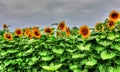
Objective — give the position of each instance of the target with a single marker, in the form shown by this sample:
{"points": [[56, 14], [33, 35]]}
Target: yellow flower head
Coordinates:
{"points": [[114, 15], [111, 25], [8, 36], [36, 33], [84, 31], [27, 31], [62, 26], [67, 31], [48, 30], [18, 32]]}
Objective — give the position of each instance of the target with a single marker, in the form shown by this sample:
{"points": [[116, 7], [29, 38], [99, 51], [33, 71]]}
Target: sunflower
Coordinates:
{"points": [[8, 36], [18, 32], [36, 33], [99, 27], [111, 25], [114, 15], [47, 30], [30, 35], [67, 31], [62, 26], [35, 28], [85, 31], [27, 31], [5, 26]]}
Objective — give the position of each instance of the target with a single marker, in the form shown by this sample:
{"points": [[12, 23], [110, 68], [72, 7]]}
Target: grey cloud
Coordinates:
{"points": [[22, 13]]}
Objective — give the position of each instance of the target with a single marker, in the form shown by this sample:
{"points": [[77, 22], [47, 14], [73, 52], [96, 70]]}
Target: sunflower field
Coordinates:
{"points": [[62, 49]]}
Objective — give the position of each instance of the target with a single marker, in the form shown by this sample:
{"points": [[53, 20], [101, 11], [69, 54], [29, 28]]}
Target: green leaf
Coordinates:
{"points": [[116, 46], [20, 54], [57, 66], [91, 62], [63, 58], [102, 68], [58, 50], [3, 53], [46, 67], [47, 58], [92, 37], [19, 60], [78, 55], [52, 67], [117, 61], [29, 50], [34, 59], [31, 41], [78, 70], [112, 36], [72, 67], [105, 43], [44, 53], [105, 55], [99, 48], [71, 50], [7, 62], [31, 63], [11, 50], [82, 47]]}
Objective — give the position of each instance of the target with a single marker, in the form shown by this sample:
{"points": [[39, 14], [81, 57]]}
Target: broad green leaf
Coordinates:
{"points": [[112, 36], [72, 67], [117, 61], [52, 67], [47, 58], [2, 66], [31, 41], [78, 55], [3, 53], [29, 50], [46, 67], [84, 47], [57, 66], [111, 69], [35, 59], [92, 37], [99, 48], [71, 50], [19, 60], [78, 70], [31, 63], [91, 62], [102, 68], [11, 50], [58, 50], [62, 58], [116, 46], [20, 54], [105, 42], [105, 55], [9, 46], [7, 62], [44, 53]]}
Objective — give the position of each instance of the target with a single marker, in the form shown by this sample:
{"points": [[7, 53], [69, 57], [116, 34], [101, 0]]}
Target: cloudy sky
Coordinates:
{"points": [[42, 13]]}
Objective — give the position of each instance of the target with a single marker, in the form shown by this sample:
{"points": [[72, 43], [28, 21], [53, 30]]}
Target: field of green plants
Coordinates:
{"points": [[62, 49]]}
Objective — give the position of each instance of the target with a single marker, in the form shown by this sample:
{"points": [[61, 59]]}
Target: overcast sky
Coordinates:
{"points": [[42, 13]]}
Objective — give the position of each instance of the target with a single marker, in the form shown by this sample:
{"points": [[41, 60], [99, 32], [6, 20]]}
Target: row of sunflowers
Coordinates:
{"points": [[83, 30], [62, 49]]}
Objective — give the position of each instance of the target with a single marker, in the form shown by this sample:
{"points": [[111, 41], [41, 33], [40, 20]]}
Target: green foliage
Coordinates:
{"points": [[98, 53]]}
